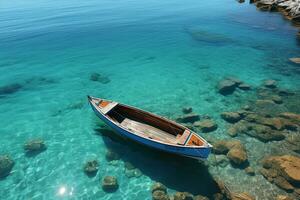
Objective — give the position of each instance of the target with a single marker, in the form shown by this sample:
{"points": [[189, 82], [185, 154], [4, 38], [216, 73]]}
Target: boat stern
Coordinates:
{"points": [[201, 153], [208, 149]]}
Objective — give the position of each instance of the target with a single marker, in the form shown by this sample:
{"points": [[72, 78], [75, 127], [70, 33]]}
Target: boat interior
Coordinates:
{"points": [[150, 126]]}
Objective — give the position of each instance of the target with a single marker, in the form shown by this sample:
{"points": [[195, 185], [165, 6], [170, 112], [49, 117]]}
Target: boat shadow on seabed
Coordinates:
{"points": [[178, 173]]}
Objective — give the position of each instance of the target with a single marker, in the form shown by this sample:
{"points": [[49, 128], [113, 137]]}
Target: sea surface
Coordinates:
{"points": [[157, 55]]}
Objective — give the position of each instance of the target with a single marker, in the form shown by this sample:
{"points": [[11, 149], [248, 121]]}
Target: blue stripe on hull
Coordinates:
{"points": [[197, 153]]}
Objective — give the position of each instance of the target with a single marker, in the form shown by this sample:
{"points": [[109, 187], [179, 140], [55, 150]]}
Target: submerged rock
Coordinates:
{"points": [[272, 122], [188, 118], [91, 167], [129, 166], [226, 86], [111, 155], [266, 5], [137, 173], [293, 143], [233, 131], [6, 165], [264, 103], [237, 128], [223, 146], [234, 149], [263, 133], [183, 196], [295, 118], [220, 147], [187, 110], [284, 92], [35, 146], [250, 171], [292, 102], [284, 171], [276, 123], [131, 170], [158, 186], [133, 173], [268, 107], [110, 184], [242, 196], [200, 197], [159, 191], [237, 156], [246, 107], [264, 93], [277, 99], [99, 78], [218, 196], [160, 195], [244, 86], [283, 197], [224, 192], [270, 83], [206, 125], [231, 117]]}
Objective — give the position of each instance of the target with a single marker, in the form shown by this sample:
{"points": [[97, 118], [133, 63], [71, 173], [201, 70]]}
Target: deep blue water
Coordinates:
{"points": [[159, 56]]}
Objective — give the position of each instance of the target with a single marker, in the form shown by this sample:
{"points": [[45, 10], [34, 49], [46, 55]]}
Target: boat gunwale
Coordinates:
{"points": [[208, 145]]}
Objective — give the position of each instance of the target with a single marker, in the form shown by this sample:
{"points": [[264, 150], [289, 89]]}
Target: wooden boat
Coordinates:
{"points": [[149, 129]]}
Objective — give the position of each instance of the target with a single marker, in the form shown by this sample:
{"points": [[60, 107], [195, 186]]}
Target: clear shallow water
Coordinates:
{"points": [[147, 50]]}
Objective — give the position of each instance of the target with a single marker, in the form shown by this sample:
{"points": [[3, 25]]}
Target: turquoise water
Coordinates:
{"points": [[154, 60]]}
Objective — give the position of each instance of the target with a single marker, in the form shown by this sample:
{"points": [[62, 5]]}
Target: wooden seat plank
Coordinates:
{"points": [[108, 107], [148, 131], [184, 137]]}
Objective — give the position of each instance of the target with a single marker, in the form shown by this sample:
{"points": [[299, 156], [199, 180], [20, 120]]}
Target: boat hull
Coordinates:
{"points": [[192, 152]]}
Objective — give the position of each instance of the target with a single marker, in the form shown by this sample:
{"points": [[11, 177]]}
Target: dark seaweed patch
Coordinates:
{"points": [[9, 63], [150, 58], [10, 89], [22, 85], [74, 106], [209, 37], [99, 78], [39, 81]]}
